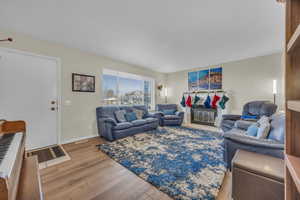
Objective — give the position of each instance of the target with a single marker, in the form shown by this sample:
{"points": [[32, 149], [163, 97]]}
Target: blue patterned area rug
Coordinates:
{"points": [[183, 162]]}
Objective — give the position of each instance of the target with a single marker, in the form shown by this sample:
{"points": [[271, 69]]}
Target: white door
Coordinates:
{"points": [[28, 91]]}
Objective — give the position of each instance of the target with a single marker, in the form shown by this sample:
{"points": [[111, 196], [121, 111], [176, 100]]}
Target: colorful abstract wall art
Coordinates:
{"points": [[203, 80], [215, 78], [193, 78], [209, 79]]}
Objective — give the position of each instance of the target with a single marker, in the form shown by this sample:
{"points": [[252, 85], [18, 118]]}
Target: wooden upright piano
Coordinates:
{"points": [[19, 176]]}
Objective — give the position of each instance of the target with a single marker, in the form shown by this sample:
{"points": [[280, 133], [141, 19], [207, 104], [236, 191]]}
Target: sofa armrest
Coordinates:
{"points": [[179, 113], [105, 126], [234, 141], [242, 124], [109, 120], [252, 141], [156, 114], [231, 117]]}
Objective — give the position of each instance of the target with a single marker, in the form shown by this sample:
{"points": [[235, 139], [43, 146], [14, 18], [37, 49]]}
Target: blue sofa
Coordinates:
{"points": [[110, 129], [253, 108], [175, 119], [273, 145]]}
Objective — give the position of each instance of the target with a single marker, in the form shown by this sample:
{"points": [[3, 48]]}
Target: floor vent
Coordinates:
{"points": [[50, 156]]}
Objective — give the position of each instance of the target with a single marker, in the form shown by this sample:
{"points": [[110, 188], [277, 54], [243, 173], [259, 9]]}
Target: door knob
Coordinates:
{"points": [[52, 102], [52, 108]]}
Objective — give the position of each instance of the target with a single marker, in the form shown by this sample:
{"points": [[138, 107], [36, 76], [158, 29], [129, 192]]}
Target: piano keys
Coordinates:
{"points": [[5, 141], [18, 181], [12, 148]]}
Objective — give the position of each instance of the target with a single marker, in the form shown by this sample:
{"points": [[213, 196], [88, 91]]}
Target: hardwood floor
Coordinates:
{"points": [[92, 175]]}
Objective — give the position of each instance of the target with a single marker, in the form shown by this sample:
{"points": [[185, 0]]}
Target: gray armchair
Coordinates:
{"points": [[175, 119], [273, 145], [254, 108]]}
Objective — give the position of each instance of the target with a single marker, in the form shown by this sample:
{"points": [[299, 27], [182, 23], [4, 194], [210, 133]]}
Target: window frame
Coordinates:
{"points": [[130, 76]]}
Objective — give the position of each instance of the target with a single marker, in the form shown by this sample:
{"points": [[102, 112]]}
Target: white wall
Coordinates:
{"points": [[78, 118], [244, 80]]}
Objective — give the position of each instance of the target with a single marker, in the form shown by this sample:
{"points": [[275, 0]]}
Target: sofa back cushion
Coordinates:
{"points": [[277, 131], [161, 107], [169, 112], [143, 108], [259, 108], [132, 108], [107, 111]]}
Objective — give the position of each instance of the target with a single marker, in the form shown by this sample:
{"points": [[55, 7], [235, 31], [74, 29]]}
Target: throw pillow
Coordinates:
{"points": [[264, 119], [252, 130], [277, 134], [139, 113], [263, 130], [249, 117], [120, 116], [169, 112], [130, 116]]}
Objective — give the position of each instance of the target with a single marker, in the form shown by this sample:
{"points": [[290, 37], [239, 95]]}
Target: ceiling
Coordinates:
{"points": [[163, 35]]}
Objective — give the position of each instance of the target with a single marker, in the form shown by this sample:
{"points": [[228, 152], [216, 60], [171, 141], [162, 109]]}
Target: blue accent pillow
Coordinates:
{"points": [[249, 117], [277, 128], [130, 116], [169, 112], [252, 130], [277, 134]]}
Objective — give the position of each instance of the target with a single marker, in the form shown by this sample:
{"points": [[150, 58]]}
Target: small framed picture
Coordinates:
{"points": [[83, 83]]}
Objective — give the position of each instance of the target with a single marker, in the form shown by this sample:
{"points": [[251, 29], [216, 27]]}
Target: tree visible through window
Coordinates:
{"points": [[127, 89]]}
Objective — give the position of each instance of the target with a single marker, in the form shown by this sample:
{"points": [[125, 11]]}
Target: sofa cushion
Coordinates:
{"points": [[263, 130], [142, 107], [242, 124], [123, 125], [151, 119], [171, 117], [161, 107], [107, 112], [236, 131], [277, 128], [126, 108], [259, 108], [139, 113], [139, 122], [131, 108], [169, 111], [252, 130], [120, 116], [130, 116], [228, 123]]}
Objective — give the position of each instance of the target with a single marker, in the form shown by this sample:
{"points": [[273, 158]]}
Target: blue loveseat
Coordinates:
{"points": [[110, 129]]}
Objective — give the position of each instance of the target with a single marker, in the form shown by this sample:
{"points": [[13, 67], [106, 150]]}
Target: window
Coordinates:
{"points": [[127, 89]]}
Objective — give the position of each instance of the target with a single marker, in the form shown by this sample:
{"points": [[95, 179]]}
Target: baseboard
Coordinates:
{"points": [[78, 139]]}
